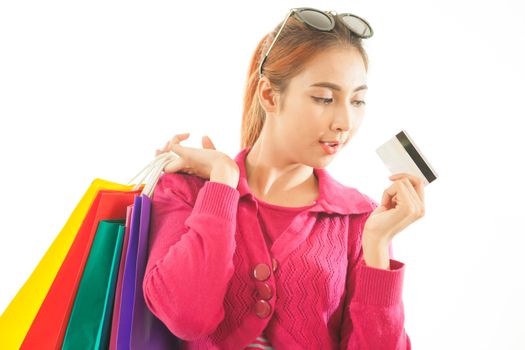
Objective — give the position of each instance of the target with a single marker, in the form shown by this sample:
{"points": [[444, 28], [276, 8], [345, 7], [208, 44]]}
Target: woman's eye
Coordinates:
{"points": [[359, 103], [323, 100]]}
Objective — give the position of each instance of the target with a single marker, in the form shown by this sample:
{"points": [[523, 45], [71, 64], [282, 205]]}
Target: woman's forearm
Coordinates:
{"points": [[375, 253]]}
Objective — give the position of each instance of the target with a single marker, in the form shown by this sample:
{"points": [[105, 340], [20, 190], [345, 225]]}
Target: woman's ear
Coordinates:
{"points": [[267, 96]]}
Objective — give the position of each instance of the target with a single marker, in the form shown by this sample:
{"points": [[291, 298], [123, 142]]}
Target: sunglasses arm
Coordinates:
{"points": [[273, 42]]}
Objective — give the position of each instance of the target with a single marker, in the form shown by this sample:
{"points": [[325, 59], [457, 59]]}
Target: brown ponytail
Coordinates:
{"points": [[296, 45]]}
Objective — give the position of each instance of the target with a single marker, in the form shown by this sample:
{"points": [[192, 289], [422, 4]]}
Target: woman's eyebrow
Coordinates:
{"points": [[337, 87]]}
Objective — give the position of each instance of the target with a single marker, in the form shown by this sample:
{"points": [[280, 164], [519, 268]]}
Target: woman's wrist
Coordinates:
{"points": [[226, 172], [375, 252]]}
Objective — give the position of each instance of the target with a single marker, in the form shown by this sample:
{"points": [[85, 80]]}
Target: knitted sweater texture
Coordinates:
{"points": [[209, 255]]}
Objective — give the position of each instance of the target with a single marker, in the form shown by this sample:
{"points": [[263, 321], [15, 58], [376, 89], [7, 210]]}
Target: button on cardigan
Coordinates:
{"points": [[206, 241]]}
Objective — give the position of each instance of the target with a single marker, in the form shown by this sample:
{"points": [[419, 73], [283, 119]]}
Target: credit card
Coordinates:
{"points": [[401, 155]]}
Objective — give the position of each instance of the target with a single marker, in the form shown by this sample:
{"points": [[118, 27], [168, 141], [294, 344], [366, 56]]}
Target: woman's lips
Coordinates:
{"points": [[329, 149]]}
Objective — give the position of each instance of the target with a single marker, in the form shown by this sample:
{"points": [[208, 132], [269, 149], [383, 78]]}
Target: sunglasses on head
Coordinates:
{"points": [[323, 21]]}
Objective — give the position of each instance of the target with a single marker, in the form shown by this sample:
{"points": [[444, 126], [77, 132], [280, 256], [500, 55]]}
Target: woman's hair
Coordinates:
{"points": [[296, 45]]}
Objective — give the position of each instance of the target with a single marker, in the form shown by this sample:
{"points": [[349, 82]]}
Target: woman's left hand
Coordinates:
{"points": [[401, 205]]}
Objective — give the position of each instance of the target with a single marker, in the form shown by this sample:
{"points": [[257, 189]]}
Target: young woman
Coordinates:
{"points": [[267, 250]]}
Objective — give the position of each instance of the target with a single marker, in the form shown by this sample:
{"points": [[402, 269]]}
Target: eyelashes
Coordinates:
{"points": [[322, 99], [326, 101]]}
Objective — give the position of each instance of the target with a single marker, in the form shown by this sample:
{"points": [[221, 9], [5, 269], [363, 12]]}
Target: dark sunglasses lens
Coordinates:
{"points": [[317, 19], [357, 26]]}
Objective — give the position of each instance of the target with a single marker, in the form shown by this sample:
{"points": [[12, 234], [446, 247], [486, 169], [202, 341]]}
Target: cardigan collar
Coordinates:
{"points": [[334, 197]]}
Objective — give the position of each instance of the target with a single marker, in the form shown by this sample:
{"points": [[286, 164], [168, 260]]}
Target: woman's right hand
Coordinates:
{"points": [[194, 161]]}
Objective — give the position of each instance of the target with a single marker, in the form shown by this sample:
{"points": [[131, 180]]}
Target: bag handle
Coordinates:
{"points": [[152, 172]]}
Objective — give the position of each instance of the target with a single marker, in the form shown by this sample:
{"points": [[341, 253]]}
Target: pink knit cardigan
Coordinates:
{"points": [[205, 242]]}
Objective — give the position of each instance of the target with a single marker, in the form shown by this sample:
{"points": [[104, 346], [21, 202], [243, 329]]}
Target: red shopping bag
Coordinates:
{"points": [[118, 291], [49, 326]]}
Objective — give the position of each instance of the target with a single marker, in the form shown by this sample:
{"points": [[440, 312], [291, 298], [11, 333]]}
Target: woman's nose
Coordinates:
{"points": [[344, 119]]}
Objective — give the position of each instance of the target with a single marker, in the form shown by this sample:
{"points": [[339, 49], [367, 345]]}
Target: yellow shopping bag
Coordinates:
{"points": [[19, 314]]}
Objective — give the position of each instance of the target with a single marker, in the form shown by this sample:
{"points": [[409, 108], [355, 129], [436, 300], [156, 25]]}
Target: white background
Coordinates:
{"points": [[91, 89]]}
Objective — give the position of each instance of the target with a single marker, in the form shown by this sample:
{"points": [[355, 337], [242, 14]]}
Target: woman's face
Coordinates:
{"points": [[325, 102]]}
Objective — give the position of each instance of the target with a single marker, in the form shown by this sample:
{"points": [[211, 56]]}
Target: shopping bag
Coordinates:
{"points": [[138, 328], [88, 326], [118, 290], [49, 326], [40, 320], [128, 281], [21, 311], [148, 332]]}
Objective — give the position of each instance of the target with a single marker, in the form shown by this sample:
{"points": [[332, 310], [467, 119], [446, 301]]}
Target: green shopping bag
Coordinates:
{"points": [[90, 320], [17, 319]]}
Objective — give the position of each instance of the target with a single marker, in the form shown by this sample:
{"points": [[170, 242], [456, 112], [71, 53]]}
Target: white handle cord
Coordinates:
{"points": [[152, 171]]}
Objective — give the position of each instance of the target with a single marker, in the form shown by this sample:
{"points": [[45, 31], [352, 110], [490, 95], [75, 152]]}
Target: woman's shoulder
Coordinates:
{"points": [[184, 186], [349, 199]]}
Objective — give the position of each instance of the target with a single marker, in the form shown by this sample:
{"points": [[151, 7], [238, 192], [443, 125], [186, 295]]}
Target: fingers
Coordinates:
{"points": [[388, 196], [164, 149], [411, 190], [174, 143], [417, 183], [179, 137], [396, 195], [206, 142]]}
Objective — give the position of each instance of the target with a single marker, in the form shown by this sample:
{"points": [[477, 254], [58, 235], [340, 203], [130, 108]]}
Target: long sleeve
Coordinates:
{"points": [[373, 316], [190, 254]]}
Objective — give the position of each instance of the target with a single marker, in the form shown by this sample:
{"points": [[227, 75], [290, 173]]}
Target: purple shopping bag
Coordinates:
{"points": [[138, 328], [128, 281]]}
